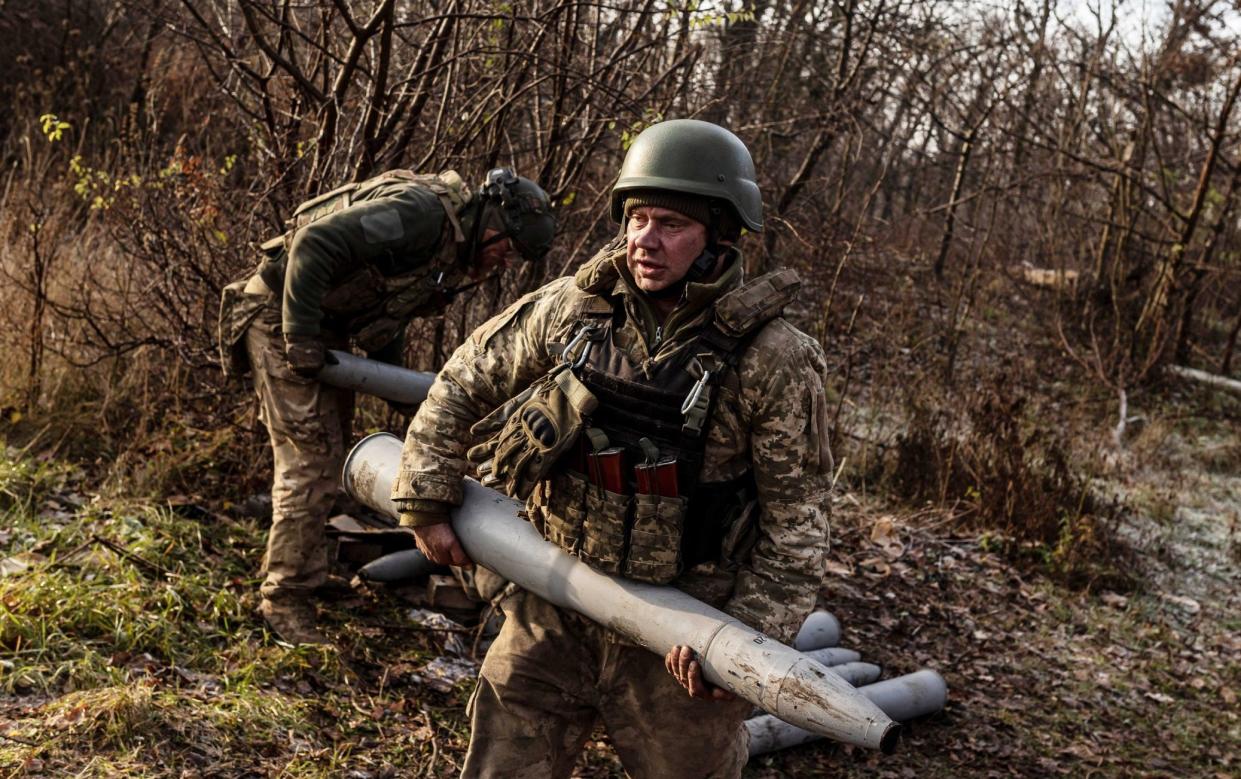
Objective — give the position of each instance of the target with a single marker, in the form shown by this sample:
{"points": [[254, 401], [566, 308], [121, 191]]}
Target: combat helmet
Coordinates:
{"points": [[692, 157], [523, 211]]}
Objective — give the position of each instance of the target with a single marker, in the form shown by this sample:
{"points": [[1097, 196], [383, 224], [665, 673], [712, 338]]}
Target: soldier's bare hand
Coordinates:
{"points": [[682, 663], [441, 545]]}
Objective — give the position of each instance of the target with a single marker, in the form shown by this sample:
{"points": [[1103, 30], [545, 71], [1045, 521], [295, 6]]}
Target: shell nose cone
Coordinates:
{"points": [[815, 698]]}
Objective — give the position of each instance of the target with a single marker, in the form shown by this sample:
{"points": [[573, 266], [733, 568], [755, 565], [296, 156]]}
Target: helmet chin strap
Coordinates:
{"points": [[474, 216], [703, 266], [475, 243], [708, 261]]}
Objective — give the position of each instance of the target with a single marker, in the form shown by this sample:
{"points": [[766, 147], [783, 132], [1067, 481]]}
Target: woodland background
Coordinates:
{"points": [[1010, 219]]}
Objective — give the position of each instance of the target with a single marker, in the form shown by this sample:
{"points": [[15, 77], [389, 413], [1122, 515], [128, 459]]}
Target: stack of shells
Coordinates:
{"points": [[902, 698]]}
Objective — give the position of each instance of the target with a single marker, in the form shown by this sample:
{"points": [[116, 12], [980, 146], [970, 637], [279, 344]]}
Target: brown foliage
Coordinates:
{"points": [[893, 138], [1006, 468]]}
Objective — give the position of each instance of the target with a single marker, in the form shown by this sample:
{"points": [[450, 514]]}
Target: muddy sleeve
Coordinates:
{"points": [[793, 471]]}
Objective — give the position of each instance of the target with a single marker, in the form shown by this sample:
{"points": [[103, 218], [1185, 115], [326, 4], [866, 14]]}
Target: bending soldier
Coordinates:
{"points": [[663, 423], [357, 264]]}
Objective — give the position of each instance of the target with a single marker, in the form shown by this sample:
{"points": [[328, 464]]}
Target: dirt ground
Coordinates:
{"points": [[130, 646], [1046, 680]]}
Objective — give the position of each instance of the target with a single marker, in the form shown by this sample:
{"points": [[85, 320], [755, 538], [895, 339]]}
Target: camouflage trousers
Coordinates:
{"points": [[551, 675], [309, 424]]}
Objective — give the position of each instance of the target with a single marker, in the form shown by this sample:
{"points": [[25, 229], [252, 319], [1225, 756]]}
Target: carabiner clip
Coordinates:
{"points": [[695, 392], [584, 334]]}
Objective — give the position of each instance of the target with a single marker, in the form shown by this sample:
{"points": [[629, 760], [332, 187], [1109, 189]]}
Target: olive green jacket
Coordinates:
{"points": [[359, 261]]}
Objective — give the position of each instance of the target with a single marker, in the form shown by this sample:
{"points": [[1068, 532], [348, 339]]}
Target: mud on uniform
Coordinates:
{"points": [[357, 264], [550, 674]]}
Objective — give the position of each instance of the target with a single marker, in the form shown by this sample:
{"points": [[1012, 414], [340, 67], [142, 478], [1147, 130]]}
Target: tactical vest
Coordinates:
{"points": [[650, 535], [447, 186], [369, 305]]}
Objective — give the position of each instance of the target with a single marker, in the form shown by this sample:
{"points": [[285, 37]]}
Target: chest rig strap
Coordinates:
{"points": [[673, 408], [659, 421], [740, 314], [723, 353]]}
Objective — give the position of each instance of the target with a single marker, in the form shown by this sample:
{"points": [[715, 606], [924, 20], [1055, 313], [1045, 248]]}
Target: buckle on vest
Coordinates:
{"points": [[696, 405]]}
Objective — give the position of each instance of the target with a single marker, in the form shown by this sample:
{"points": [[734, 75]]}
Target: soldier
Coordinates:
{"points": [[355, 266], [664, 423]]}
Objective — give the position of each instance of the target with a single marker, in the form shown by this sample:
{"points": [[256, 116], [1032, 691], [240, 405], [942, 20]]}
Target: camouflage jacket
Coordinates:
{"points": [[774, 423]]}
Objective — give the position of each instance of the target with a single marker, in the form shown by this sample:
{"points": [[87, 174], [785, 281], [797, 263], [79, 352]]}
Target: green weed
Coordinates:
{"points": [[26, 482], [125, 727], [115, 587]]}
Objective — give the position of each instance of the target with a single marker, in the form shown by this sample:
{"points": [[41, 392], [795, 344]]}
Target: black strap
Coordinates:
{"points": [[662, 409]]}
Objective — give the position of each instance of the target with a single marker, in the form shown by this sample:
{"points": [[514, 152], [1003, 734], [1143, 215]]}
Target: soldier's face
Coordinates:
{"points": [[493, 255], [661, 245]]}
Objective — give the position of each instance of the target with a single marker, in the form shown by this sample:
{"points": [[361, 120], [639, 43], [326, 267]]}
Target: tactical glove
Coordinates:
{"points": [[537, 427], [304, 353]]}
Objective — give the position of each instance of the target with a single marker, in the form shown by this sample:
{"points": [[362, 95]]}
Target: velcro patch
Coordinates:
{"points": [[382, 226]]}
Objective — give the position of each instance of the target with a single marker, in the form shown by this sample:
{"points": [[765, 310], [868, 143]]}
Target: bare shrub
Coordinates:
{"points": [[1008, 473], [921, 161]]}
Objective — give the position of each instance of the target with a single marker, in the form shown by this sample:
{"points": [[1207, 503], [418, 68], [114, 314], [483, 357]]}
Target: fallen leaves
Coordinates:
{"points": [[444, 673], [1114, 600], [876, 565], [885, 535], [1187, 605], [838, 569], [1031, 664], [20, 563]]}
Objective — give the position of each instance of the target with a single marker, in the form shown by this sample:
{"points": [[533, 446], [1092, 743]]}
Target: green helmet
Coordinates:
{"points": [[694, 157], [523, 209]]}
